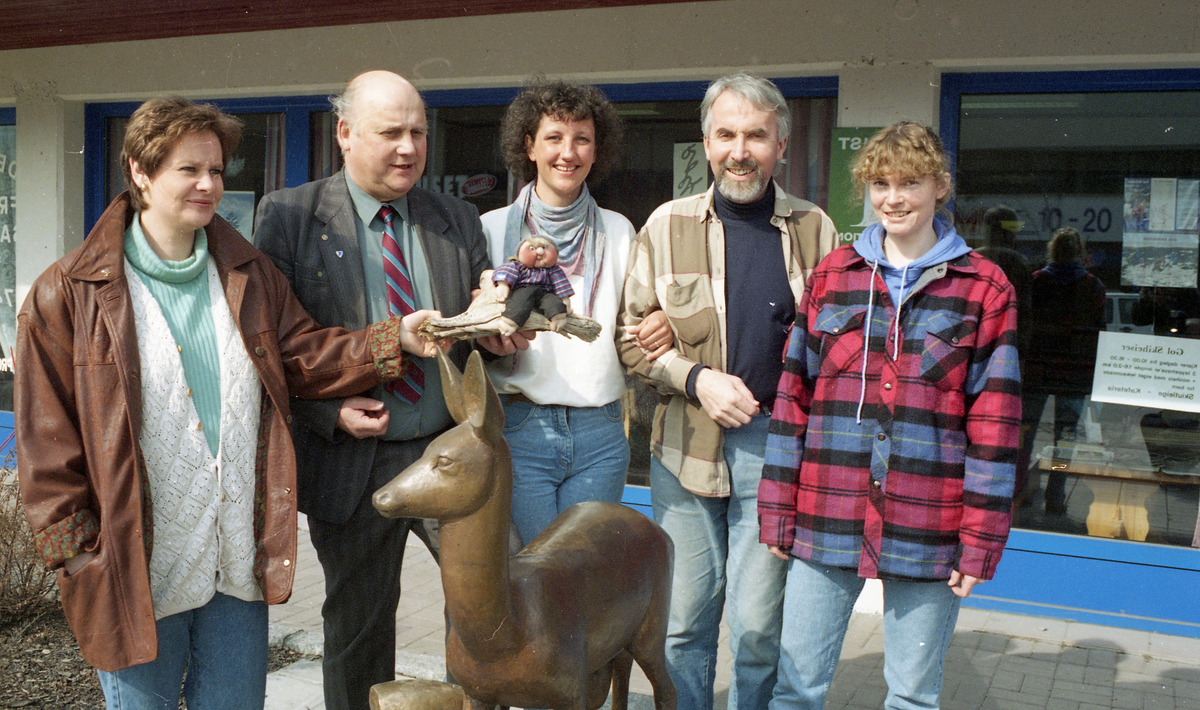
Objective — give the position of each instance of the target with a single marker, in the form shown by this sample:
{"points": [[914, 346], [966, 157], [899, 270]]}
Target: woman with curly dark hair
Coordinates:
{"points": [[562, 396]]}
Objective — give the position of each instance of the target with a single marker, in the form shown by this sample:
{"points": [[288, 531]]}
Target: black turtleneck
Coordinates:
{"points": [[759, 304]]}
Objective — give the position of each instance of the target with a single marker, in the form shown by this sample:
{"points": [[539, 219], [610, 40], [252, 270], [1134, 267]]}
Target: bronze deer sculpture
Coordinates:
{"points": [[554, 625]]}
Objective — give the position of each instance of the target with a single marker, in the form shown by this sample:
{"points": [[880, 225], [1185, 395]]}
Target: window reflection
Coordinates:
{"points": [[1084, 162]]}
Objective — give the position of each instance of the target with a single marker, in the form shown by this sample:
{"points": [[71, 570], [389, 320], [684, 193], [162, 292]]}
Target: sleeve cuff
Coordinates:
{"points": [[978, 562], [690, 387], [67, 538], [777, 530], [384, 340]]}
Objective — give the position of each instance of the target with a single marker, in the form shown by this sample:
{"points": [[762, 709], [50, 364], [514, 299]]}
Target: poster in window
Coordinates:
{"points": [[237, 207], [1161, 246], [690, 173]]}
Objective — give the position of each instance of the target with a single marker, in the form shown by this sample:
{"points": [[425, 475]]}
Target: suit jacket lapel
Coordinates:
{"points": [[440, 251], [340, 251]]}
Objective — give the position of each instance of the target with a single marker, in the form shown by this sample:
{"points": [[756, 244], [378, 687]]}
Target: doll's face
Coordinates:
{"points": [[539, 256]]}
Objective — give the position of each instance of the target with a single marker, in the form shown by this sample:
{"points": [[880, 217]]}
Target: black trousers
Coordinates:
{"points": [[529, 298], [362, 560]]}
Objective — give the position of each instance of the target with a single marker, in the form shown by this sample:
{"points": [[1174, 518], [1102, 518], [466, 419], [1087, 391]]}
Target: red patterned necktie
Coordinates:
{"points": [[400, 302]]}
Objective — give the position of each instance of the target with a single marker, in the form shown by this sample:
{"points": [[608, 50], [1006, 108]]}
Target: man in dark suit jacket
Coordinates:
{"points": [[325, 237]]}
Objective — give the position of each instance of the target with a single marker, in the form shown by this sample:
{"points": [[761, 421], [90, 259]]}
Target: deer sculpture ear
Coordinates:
{"points": [[451, 387], [480, 401]]}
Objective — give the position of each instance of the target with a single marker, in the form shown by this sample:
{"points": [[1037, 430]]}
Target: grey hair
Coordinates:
{"points": [[343, 103], [759, 92]]}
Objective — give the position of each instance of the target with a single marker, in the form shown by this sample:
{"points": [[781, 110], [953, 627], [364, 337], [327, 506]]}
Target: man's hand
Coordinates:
{"points": [[363, 417], [410, 340], [778, 552], [961, 584], [653, 335], [507, 344], [725, 398]]}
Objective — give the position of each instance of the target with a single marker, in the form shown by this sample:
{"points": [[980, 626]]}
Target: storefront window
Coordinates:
{"points": [[8, 272], [1110, 356], [254, 170]]}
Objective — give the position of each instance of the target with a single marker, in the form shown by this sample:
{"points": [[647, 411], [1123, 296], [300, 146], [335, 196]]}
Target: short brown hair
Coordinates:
{"points": [[562, 101], [157, 126], [905, 149]]}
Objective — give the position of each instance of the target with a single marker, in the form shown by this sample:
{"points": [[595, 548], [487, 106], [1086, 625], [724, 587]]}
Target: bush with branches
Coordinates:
{"points": [[24, 579]]}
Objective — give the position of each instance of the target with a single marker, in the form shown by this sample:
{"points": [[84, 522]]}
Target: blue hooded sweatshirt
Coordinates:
{"points": [[948, 246]]}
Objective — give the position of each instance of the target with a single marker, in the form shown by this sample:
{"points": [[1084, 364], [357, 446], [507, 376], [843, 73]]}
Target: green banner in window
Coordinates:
{"points": [[850, 213]]}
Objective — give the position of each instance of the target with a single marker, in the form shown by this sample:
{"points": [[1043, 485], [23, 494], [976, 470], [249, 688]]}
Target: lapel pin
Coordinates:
{"points": [[339, 252]]}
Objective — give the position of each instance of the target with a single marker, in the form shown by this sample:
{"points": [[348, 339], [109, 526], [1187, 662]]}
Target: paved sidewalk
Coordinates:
{"points": [[997, 661]]}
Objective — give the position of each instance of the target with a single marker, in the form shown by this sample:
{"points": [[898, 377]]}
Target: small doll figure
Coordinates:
{"points": [[533, 280]]}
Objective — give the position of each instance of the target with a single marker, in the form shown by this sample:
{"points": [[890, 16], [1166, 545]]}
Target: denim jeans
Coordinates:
{"points": [[562, 456], [719, 563], [918, 624], [222, 647]]}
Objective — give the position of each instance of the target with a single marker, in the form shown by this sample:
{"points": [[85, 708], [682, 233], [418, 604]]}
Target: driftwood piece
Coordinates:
{"points": [[483, 316], [417, 695], [557, 624]]}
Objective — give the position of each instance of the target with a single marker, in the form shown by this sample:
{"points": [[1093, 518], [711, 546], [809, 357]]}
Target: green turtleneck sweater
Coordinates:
{"points": [[181, 290]]}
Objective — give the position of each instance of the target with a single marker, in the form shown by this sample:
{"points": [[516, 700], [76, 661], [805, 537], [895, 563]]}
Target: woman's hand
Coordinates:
{"points": [[961, 584], [74, 564], [653, 335]]}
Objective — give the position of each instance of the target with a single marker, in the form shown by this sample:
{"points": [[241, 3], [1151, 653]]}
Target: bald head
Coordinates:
{"points": [[375, 84], [382, 133]]}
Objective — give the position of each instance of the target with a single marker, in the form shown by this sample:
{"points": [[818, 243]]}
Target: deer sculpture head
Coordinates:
{"points": [[459, 471]]}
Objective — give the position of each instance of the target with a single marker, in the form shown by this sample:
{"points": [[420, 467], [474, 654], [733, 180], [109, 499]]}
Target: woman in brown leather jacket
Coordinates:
{"points": [[154, 450]]}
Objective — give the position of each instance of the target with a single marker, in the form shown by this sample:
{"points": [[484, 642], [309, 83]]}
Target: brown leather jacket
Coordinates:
{"points": [[78, 414]]}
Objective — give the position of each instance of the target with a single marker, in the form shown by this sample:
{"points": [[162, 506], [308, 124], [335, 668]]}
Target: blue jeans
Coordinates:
{"points": [[720, 564], [562, 456], [222, 646], [918, 624]]}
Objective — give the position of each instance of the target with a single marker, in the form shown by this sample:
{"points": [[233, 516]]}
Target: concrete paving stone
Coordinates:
{"points": [[1163, 702], [1174, 646], [1073, 655], [1062, 704], [1073, 674], [1158, 687], [974, 692], [1126, 699], [1007, 680], [1189, 689], [1185, 673], [869, 696], [1072, 690], [1028, 666], [1092, 636], [1099, 676], [1103, 658], [1037, 685], [1012, 704], [1017, 696], [296, 687], [1093, 706]]}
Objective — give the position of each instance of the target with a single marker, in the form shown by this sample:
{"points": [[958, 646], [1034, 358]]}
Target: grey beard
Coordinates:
{"points": [[742, 192]]}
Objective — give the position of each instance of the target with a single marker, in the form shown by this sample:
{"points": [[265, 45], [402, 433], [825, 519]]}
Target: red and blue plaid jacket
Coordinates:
{"points": [[897, 463]]}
